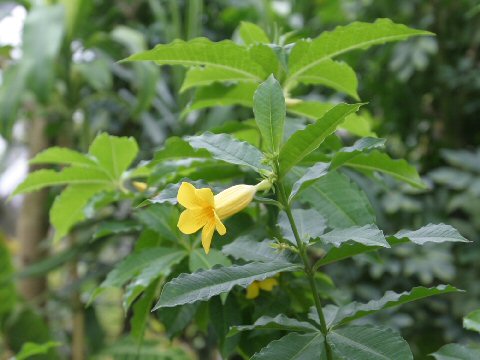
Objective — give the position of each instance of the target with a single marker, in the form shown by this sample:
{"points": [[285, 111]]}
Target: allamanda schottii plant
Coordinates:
{"points": [[285, 206]]}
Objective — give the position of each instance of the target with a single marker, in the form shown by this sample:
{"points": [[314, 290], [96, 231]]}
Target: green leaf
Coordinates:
{"points": [[68, 208], [308, 54], [109, 228], [279, 322], [226, 148], [30, 349], [74, 175], [313, 173], [252, 34], [162, 219], [381, 162], [451, 177], [361, 145], [312, 110], [472, 321], [203, 52], [303, 142], [456, 352], [339, 201], [310, 225], [320, 169], [269, 110], [202, 285], [369, 235], [148, 263], [368, 343], [248, 248], [59, 155], [430, 233], [359, 125], [354, 310], [436, 233], [294, 346], [267, 57], [114, 154], [204, 76], [199, 260], [141, 311], [222, 95], [333, 74]]}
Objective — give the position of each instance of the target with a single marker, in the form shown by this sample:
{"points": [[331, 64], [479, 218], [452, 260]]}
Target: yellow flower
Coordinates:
{"points": [[253, 290], [203, 210], [140, 186]]}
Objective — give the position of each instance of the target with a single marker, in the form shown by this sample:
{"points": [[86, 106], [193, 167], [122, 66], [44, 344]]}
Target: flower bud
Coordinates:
{"points": [[140, 186], [233, 200]]}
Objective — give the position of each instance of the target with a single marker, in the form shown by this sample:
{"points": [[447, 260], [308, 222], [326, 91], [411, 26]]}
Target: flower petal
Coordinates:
{"points": [[186, 196], [191, 220], [207, 234], [205, 197], [253, 290], [268, 284], [221, 229]]}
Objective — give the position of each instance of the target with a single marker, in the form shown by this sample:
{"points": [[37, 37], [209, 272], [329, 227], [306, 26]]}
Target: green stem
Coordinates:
{"points": [[308, 269]]}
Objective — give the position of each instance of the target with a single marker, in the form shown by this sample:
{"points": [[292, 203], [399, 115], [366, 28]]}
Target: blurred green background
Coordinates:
{"points": [[61, 83]]}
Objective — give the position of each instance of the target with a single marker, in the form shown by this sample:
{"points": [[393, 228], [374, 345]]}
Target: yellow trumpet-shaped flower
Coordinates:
{"points": [[253, 290], [203, 210]]}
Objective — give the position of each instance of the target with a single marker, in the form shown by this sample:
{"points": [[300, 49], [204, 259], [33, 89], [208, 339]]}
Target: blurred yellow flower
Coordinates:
{"points": [[253, 290], [203, 210]]}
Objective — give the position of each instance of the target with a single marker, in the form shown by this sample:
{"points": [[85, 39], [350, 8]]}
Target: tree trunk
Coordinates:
{"points": [[32, 225]]}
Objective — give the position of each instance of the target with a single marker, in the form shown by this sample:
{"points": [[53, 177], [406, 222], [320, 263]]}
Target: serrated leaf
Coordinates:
{"points": [[248, 248], [74, 175], [456, 352], [114, 154], [436, 233], [294, 346], [381, 162], [199, 260], [361, 145], [226, 148], [279, 322], [252, 34], [310, 225], [222, 95], [333, 74], [303, 142], [203, 52], [313, 173], [59, 155], [269, 110], [368, 343], [430, 233], [472, 321], [161, 219], [354, 310], [369, 235], [339, 201], [202, 285], [358, 35], [148, 263], [68, 208]]}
